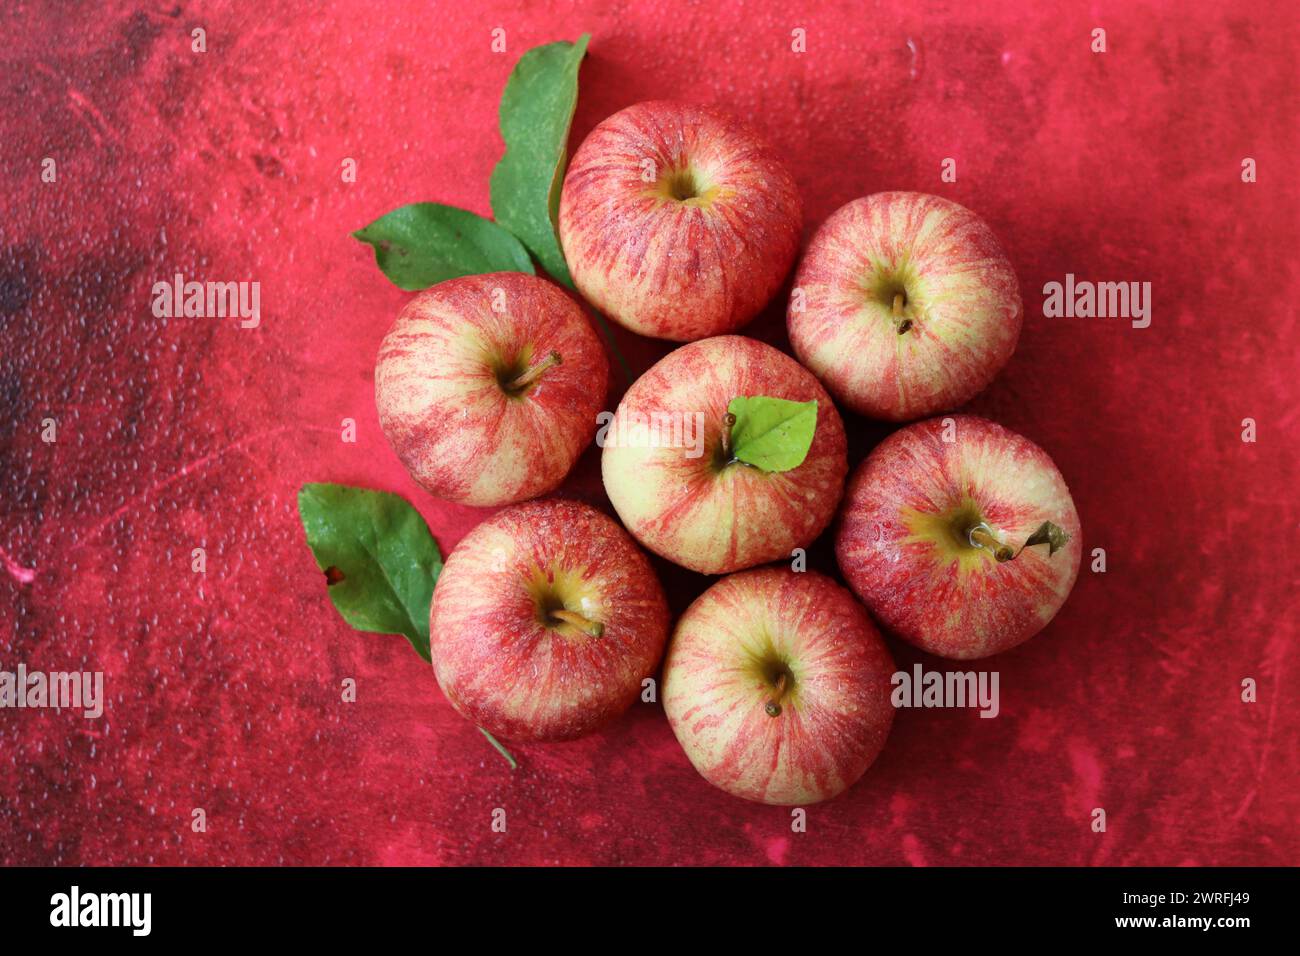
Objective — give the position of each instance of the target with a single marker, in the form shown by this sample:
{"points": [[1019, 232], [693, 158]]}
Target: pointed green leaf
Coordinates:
{"points": [[536, 113], [773, 434], [379, 559], [425, 243]]}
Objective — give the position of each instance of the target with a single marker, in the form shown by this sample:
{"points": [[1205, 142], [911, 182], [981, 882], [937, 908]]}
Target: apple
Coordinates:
{"points": [[488, 387], [677, 221], [778, 686], [690, 501], [961, 538], [904, 305], [545, 621]]}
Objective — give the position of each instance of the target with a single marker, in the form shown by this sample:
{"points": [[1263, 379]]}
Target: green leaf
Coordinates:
{"points": [[1050, 535], [425, 243], [773, 434], [536, 113], [379, 559]]}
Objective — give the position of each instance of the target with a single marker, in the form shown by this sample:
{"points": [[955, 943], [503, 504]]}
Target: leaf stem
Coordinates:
{"points": [[612, 345], [514, 765]]}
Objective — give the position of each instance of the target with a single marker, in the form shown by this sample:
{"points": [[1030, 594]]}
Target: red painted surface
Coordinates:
{"points": [[224, 688]]}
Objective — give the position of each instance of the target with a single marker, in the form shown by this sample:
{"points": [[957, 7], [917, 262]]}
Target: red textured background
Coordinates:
{"points": [[224, 688]]}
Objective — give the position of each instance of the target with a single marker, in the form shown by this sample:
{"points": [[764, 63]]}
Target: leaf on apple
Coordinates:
{"points": [[379, 559], [1049, 534], [773, 434], [425, 243], [536, 113]]}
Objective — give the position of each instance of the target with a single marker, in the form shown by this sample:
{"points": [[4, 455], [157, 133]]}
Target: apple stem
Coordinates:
{"points": [[900, 323], [981, 536], [773, 706], [524, 379], [728, 422], [586, 625]]}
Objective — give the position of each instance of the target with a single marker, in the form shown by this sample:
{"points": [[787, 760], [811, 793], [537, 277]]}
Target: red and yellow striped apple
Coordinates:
{"points": [[904, 305], [778, 686], [945, 540], [677, 221], [488, 387], [698, 506], [545, 621]]}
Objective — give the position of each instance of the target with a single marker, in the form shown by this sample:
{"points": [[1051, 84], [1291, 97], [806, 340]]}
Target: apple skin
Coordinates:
{"points": [[902, 547], [442, 405], [721, 672], [714, 520], [678, 268], [509, 667], [961, 297]]}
